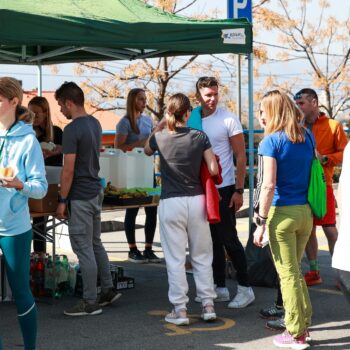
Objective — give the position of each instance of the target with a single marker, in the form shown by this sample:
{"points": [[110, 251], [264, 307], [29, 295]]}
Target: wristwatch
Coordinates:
{"points": [[239, 190], [62, 200], [259, 220]]}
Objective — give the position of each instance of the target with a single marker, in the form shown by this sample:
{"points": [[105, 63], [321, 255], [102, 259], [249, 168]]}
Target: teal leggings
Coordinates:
{"points": [[16, 252]]}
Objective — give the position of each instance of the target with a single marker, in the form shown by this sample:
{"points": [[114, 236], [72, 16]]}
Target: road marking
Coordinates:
{"points": [[220, 324], [327, 291]]}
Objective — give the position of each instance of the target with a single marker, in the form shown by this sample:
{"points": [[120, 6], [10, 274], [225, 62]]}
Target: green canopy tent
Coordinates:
{"points": [[62, 31], [40, 32]]}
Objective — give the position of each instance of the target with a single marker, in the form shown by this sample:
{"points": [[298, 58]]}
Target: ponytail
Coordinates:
{"points": [[178, 105], [23, 114], [171, 122]]}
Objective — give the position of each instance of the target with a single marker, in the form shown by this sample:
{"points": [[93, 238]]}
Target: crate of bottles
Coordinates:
{"points": [[51, 277]]}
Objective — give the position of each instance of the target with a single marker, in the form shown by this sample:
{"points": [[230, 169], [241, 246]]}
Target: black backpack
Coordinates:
{"points": [[260, 266]]}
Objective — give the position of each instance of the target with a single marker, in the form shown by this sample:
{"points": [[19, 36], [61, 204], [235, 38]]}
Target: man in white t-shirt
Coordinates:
{"points": [[226, 137]]}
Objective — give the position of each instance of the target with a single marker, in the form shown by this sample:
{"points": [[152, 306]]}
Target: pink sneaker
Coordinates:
{"points": [[286, 340]]}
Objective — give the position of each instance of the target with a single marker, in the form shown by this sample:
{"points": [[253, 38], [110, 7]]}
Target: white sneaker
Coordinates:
{"points": [[243, 298], [222, 294], [208, 313], [179, 318]]}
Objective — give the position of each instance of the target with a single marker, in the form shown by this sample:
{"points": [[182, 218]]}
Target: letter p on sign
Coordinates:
{"points": [[237, 6], [239, 9]]}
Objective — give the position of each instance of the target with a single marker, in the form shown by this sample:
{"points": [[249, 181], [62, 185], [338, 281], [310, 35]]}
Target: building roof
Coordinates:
{"points": [[108, 119]]}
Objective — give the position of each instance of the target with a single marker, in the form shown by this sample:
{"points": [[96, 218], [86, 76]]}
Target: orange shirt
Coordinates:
{"points": [[330, 141]]}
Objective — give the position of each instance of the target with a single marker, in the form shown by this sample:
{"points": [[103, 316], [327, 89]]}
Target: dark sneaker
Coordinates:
{"points": [[150, 256], [108, 298], [271, 313], [83, 308], [276, 325], [136, 257]]}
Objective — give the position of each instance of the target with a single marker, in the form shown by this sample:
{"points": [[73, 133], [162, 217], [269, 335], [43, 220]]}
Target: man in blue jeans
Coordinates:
{"points": [[226, 137], [82, 195]]}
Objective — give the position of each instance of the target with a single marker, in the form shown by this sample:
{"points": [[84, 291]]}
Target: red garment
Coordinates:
{"points": [[211, 193]]}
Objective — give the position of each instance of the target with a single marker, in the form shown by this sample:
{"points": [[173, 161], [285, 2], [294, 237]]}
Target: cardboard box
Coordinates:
{"points": [[119, 280], [46, 204]]}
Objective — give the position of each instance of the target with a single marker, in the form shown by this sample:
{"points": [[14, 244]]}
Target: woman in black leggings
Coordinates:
{"points": [[133, 131]]}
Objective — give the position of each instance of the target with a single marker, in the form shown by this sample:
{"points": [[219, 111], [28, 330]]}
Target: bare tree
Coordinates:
{"points": [[313, 36], [158, 76]]}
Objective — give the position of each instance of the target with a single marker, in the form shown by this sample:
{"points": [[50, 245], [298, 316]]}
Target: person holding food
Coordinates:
{"points": [[22, 178], [133, 131], [49, 135], [50, 138]]}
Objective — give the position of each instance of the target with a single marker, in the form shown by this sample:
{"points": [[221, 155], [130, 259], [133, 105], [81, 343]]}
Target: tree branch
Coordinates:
{"points": [[186, 64]]}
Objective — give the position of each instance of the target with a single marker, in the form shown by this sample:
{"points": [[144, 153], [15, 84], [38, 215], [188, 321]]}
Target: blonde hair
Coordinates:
{"points": [[131, 111], [283, 115], [11, 88], [178, 105], [44, 105]]}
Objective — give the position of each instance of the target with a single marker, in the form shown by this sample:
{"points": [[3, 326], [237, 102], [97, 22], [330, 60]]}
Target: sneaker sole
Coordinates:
{"points": [[270, 318], [155, 261], [274, 329], [292, 346], [97, 312], [232, 306], [217, 300], [209, 317], [138, 261], [116, 297], [221, 300], [178, 321]]}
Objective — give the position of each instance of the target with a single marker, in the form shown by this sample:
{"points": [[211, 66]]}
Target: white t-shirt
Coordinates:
{"points": [[219, 127], [341, 259]]}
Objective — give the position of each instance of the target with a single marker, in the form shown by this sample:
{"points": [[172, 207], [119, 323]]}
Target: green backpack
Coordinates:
{"points": [[317, 192]]}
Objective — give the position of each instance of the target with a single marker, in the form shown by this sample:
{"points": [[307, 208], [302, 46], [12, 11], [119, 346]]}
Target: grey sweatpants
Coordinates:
{"points": [[84, 226]]}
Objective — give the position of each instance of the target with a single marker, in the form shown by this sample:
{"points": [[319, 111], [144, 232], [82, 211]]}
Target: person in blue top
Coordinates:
{"points": [[133, 131], [20, 151], [286, 154]]}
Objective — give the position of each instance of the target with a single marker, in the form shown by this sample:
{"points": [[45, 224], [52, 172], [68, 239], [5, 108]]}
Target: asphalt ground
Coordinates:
{"points": [[136, 320]]}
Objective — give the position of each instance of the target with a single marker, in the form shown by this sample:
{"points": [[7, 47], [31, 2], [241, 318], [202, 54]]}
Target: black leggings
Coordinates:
{"points": [[150, 224], [39, 242], [344, 280], [224, 235]]}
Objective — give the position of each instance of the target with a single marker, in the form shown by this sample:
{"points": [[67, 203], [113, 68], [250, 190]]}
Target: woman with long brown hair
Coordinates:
{"points": [[46, 132], [132, 131], [285, 157], [50, 137]]}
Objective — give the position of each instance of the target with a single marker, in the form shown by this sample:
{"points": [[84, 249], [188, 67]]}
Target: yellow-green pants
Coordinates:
{"points": [[289, 230]]}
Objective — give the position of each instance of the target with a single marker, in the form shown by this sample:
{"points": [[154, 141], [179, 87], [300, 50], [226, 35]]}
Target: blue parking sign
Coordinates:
{"points": [[239, 9]]}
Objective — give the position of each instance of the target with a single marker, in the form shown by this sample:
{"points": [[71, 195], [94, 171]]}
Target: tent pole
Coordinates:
{"points": [[251, 137], [40, 79], [239, 91]]}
